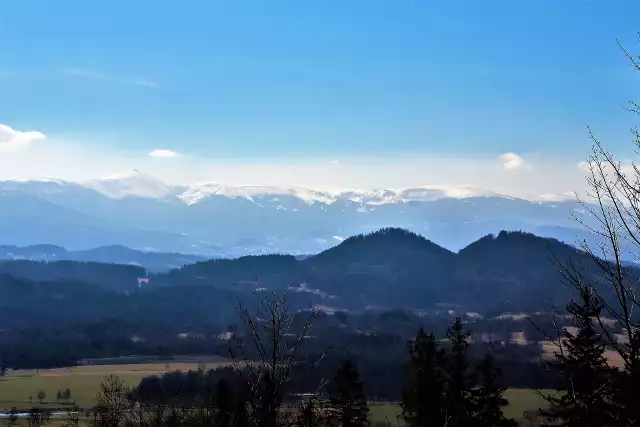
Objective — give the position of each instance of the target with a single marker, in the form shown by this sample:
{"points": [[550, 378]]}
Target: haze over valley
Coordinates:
{"points": [[138, 211]]}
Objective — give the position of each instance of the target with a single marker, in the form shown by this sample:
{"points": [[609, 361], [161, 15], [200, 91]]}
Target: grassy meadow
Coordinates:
{"points": [[21, 388], [520, 400]]}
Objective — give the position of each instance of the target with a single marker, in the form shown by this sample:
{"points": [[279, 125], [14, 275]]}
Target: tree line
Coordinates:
{"points": [[443, 386]]}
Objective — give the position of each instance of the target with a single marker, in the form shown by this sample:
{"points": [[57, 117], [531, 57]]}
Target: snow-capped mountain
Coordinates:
{"points": [[198, 192], [129, 184], [138, 210], [140, 185]]}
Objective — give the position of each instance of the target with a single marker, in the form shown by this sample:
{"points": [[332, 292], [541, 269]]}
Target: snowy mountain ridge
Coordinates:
{"points": [[136, 210], [138, 184]]}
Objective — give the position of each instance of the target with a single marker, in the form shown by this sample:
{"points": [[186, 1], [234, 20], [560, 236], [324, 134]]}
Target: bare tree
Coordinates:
{"points": [[111, 404], [265, 351], [72, 417], [611, 213], [38, 417]]}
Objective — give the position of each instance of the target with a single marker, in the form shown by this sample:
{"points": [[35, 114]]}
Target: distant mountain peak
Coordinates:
{"points": [[197, 192], [381, 245], [128, 174], [132, 183], [40, 179]]}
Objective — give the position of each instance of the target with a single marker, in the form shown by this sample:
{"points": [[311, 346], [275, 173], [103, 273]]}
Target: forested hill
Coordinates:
{"points": [[394, 268], [391, 268], [100, 309], [114, 254]]}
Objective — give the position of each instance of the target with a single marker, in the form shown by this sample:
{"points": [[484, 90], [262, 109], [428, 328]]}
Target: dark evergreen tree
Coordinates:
{"points": [[584, 400], [459, 383], [348, 404], [422, 398], [225, 404], [488, 397]]}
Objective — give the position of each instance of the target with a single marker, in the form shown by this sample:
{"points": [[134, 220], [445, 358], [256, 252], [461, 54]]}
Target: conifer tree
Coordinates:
{"points": [[585, 398], [348, 404], [422, 398], [488, 397], [225, 404], [458, 380]]}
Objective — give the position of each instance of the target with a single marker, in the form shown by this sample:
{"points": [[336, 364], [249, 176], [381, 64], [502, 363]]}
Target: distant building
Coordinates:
{"points": [[225, 336]]}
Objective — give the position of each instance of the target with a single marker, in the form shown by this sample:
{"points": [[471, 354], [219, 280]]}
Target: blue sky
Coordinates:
{"points": [[235, 86]]}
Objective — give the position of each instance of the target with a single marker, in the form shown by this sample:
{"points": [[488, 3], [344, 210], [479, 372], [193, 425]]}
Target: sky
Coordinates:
{"points": [[496, 94]]}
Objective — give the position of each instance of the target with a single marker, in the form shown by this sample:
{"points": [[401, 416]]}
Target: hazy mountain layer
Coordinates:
{"points": [[141, 212]]}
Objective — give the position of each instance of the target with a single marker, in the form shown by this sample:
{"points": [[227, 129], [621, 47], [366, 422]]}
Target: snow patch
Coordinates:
{"points": [[129, 184]]}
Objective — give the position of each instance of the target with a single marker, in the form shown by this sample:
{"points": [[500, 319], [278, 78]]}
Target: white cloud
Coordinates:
{"points": [[164, 154], [554, 197], [129, 81], [91, 159], [511, 161], [12, 140], [335, 162], [584, 165]]}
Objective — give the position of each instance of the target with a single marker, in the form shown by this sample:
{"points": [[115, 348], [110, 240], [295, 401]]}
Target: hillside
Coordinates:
{"points": [[393, 268], [114, 254], [388, 269], [395, 271]]}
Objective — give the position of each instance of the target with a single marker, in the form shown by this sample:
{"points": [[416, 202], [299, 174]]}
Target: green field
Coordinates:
{"points": [[520, 400], [83, 381]]}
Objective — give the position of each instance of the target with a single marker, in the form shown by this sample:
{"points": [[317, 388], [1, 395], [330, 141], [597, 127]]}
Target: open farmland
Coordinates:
{"points": [[20, 388], [520, 400]]}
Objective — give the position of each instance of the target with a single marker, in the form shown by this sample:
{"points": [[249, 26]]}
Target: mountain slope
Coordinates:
{"points": [[389, 269], [370, 269], [395, 268], [115, 254]]}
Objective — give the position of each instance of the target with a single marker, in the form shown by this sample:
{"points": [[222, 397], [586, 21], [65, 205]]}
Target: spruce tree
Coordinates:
{"points": [[348, 404], [488, 396], [459, 384], [224, 403], [584, 400], [422, 398]]}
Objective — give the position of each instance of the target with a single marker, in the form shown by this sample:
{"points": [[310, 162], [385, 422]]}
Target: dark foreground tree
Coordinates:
{"points": [[443, 391], [264, 353], [587, 387], [422, 399], [348, 404], [612, 216], [459, 381], [488, 398]]}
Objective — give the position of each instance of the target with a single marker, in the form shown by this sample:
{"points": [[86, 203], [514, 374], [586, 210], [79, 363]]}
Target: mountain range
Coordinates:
{"points": [[151, 261], [388, 269], [381, 287], [139, 211]]}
